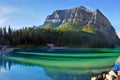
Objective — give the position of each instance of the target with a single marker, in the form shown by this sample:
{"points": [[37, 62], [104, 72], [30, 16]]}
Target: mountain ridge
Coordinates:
{"points": [[82, 19]]}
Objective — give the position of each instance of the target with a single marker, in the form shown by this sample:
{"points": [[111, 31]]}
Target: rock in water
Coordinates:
{"points": [[83, 19]]}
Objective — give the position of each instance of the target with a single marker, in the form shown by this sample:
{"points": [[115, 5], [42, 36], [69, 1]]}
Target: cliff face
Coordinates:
{"points": [[84, 17], [104, 27], [69, 15]]}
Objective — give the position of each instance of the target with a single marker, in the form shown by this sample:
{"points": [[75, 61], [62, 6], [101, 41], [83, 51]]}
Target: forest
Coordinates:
{"points": [[39, 37]]}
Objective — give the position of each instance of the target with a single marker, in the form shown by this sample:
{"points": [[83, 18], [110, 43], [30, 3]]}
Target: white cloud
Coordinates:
{"points": [[2, 21], [4, 11], [118, 34]]}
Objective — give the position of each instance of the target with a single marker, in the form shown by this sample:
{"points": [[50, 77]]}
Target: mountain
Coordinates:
{"points": [[85, 20]]}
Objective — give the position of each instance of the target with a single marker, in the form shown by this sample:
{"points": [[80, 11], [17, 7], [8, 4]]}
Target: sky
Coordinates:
{"points": [[26, 13]]}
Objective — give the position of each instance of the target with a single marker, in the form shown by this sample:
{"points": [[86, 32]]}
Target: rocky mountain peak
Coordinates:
{"points": [[69, 15], [84, 17], [82, 8]]}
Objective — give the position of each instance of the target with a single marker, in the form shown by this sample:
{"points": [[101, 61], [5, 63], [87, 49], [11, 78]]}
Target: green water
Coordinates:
{"points": [[64, 64]]}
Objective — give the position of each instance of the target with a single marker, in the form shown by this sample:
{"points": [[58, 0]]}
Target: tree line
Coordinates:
{"points": [[41, 36]]}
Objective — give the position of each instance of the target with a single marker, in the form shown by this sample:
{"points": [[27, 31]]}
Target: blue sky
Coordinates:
{"points": [[22, 13]]}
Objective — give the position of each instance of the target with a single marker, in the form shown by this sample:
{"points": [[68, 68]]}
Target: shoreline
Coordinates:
{"points": [[7, 51], [107, 72]]}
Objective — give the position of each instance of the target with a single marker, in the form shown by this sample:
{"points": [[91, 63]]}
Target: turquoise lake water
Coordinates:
{"points": [[61, 64]]}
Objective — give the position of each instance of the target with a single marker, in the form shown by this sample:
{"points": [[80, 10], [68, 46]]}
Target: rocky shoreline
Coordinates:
{"points": [[113, 74], [6, 51]]}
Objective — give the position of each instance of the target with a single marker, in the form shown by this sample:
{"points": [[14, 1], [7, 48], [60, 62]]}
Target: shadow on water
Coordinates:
{"points": [[40, 64]]}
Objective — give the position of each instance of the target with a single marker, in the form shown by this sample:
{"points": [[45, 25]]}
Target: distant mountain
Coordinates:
{"points": [[83, 19]]}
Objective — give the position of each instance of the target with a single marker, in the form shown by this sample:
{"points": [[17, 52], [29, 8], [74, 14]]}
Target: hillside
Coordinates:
{"points": [[82, 19]]}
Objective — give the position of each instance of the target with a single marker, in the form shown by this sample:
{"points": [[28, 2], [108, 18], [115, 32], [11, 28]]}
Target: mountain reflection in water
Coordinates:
{"points": [[56, 65], [10, 70], [13, 70]]}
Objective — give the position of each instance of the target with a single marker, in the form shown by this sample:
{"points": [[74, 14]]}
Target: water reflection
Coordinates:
{"points": [[56, 65], [64, 75], [10, 70], [15, 70]]}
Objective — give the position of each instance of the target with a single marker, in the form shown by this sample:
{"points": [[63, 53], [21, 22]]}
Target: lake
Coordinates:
{"points": [[58, 64]]}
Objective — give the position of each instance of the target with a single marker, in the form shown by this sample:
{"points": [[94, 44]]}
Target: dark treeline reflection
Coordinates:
{"points": [[12, 70], [54, 73], [7, 64]]}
